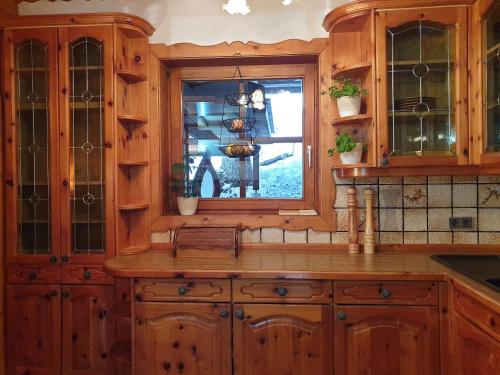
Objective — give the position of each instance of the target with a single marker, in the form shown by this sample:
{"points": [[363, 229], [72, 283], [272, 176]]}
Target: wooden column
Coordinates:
{"points": [[369, 242], [352, 208]]}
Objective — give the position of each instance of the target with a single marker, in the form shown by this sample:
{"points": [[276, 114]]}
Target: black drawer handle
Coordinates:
{"points": [[182, 291], [53, 259], [53, 293], [240, 314], [282, 291], [224, 313], [65, 259], [87, 275], [32, 276], [384, 292], [342, 315], [65, 294]]}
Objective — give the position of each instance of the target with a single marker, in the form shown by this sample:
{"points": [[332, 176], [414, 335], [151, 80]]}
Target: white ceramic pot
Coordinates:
{"points": [[353, 157], [349, 105], [187, 206]]}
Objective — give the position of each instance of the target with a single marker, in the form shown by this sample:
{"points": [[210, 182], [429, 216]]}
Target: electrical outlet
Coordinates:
{"points": [[466, 222], [454, 223]]}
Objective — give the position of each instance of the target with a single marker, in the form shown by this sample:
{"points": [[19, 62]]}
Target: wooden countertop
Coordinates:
{"points": [[297, 264]]}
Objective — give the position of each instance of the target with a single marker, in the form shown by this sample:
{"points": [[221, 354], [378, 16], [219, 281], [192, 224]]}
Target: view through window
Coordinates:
{"points": [[276, 171]]}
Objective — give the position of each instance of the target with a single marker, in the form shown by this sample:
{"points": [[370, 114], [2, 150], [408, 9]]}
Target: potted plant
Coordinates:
{"points": [[187, 200], [349, 149], [348, 96]]}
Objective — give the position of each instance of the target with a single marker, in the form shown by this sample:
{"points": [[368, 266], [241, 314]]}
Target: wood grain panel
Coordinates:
{"points": [[33, 274], [183, 290], [386, 292], [289, 291]]}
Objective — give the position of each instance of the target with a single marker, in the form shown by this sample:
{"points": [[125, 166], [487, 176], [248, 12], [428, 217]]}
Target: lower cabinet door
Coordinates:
{"points": [[87, 333], [182, 338], [474, 352], [282, 339], [33, 329], [386, 340]]}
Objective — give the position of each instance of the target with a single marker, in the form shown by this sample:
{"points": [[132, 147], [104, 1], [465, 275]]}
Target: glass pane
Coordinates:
{"points": [[276, 171], [420, 81], [86, 146], [492, 80], [33, 160]]}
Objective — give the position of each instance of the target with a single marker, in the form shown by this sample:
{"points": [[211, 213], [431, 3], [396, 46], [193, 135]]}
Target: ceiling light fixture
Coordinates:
{"points": [[237, 7]]}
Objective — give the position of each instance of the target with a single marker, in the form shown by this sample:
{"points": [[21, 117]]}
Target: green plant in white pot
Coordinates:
{"points": [[348, 96], [187, 200], [349, 149]]}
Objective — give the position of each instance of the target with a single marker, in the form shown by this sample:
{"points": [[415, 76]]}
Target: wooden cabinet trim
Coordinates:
{"points": [[33, 274], [85, 274], [166, 290]]}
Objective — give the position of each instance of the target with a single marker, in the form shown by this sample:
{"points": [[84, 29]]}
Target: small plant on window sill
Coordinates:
{"points": [[348, 96], [349, 149], [180, 184]]}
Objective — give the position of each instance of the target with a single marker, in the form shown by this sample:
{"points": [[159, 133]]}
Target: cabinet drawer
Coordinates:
{"points": [[182, 290], [297, 291], [386, 292], [74, 274], [481, 315], [22, 274]]}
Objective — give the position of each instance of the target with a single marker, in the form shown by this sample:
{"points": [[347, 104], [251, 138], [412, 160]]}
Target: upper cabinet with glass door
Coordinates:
{"points": [[422, 86], [31, 159]]}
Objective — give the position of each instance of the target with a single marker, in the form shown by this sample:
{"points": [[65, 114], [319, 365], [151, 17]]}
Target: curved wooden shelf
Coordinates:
{"points": [[133, 207], [132, 120], [122, 311], [352, 120], [133, 163], [132, 77], [352, 70], [121, 352], [134, 250]]}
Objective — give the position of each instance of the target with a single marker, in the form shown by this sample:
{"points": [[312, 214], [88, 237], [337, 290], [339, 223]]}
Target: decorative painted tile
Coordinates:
{"points": [[415, 180], [489, 179], [366, 180], [415, 195], [160, 237], [391, 237], [362, 219], [489, 195], [467, 212], [440, 237], [340, 238], [489, 219], [489, 238], [342, 219], [296, 236], [251, 236], [391, 220], [464, 179], [391, 196], [361, 196], [439, 195], [415, 220], [390, 180], [465, 238], [341, 196], [272, 235], [464, 195], [438, 219], [415, 237], [318, 237], [439, 180]]}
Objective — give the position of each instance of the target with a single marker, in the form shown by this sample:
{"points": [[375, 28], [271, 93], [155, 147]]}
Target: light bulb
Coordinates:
{"points": [[236, 7]]}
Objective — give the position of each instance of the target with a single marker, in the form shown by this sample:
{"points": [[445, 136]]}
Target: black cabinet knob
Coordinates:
{"points": [[384, 162], [384, 292], [53, 259], [282, 291], [342, 315], [87, 275], [224, 313], [240, 314], [65, 259], [32, 275], [53, 293], [182, 291], [65, 294]]}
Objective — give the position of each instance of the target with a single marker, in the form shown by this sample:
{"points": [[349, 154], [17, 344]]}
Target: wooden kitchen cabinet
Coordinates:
{"points": [[87, 332], [382, 340], [474, 351], [33, 329], [282, 339], [182, 338], [422, 87]]}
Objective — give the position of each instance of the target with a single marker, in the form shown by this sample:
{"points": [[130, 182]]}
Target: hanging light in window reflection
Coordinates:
{"points": [[236, 7]]}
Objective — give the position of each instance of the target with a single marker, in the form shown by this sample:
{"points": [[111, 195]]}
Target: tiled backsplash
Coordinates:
{"points": [[409, 210]]}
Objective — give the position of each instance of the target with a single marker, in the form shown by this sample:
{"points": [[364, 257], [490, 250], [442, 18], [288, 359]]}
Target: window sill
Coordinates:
{"points": [[249, 221]]}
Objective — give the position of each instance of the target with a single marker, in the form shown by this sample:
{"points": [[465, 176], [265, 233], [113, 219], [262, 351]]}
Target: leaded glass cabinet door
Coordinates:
{"points": [[31, 145], [491, 88], [86, 152], [422, 87]]}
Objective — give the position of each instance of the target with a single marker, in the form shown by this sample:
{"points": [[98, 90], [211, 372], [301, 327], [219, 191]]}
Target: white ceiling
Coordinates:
{"points": [[203, 22]]}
